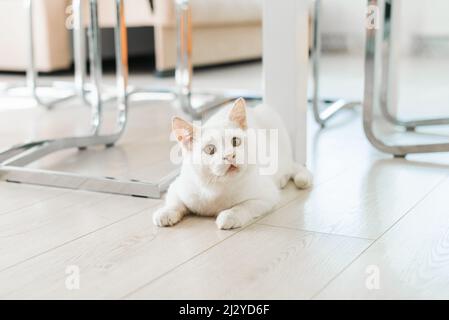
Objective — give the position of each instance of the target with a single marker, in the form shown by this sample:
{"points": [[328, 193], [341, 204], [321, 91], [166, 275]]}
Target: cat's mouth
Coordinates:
{"points": [[232, 169]]}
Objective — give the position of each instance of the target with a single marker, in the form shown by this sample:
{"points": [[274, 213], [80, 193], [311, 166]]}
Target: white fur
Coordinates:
{"points": [[236, 199]]}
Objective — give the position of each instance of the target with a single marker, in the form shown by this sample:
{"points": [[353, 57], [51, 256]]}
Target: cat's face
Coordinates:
{"points": [[217, 152], [222, 152]]}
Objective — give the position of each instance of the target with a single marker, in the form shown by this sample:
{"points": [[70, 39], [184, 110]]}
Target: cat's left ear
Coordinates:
{"points": [[238, 113]]}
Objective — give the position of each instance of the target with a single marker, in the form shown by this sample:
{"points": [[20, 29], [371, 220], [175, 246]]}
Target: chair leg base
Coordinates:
{"points": [[13, 168], [334, 107], [65, 180], [218, 99], [40, 99], [197, 103]]}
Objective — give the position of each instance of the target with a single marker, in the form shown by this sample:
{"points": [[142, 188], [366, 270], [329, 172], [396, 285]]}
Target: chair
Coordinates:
{"points": [[321, 115], [32, 86], [14, 160], [377, 54]]}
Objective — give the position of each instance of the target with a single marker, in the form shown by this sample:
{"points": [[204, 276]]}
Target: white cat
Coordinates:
{"points": [[217, 179]]}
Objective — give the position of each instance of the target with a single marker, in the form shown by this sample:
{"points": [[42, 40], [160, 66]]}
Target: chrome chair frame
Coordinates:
{"points": [[409, 125], [14, 160], [183, 93], [184, 70], [378, 48], [333, 106], [82, 88], [31, 71]]}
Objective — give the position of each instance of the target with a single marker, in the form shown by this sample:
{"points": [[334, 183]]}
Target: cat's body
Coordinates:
{"points": [[236, 192]]}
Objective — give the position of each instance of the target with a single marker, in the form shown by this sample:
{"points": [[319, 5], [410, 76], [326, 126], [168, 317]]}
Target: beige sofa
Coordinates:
{"points": [[223, 31], [52, 46]]}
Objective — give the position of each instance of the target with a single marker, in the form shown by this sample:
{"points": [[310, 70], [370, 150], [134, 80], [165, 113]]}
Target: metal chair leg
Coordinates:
{"points": [[151, 93], [333, 106], [410, 125], [14, 160], [79, 50], [31, 73], [184, 71], [195, 103], [375, 42], [83, 88], [175, 94]]}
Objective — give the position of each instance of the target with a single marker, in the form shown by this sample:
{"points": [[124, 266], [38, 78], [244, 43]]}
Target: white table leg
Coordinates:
{"points": [[285, 64], [394, 61]]}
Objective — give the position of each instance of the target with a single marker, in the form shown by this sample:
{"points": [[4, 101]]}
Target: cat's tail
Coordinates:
{"points": [[302, 177]]}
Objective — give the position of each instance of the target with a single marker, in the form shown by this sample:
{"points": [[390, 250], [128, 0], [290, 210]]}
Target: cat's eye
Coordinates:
{"points": [[209, 149], [236, 141]]}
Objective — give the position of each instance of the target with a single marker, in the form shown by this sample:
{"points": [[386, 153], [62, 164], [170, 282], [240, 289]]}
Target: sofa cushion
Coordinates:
{"points": [[219, 12], [51, 37], [204, 12]]}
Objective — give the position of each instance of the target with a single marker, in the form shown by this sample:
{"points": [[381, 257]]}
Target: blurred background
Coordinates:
{"points": [[224, 31]]}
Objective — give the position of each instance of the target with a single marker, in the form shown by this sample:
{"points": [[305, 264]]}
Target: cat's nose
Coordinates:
{"points": [[229, 157]]}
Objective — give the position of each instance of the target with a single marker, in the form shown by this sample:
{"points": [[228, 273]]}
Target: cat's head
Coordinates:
{"points": [[216, 150]]}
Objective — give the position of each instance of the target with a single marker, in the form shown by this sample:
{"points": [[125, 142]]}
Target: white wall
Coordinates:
{"points": [[424, 19]]}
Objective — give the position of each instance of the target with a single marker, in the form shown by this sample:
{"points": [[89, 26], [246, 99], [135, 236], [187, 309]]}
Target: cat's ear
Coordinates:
{"points": [[183, 131], [238, 113]]}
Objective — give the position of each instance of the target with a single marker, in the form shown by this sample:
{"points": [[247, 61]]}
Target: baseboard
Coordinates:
{"points": [[171, 72]]}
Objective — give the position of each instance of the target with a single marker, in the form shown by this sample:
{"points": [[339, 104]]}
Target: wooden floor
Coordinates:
{"points": [[371, 227]]}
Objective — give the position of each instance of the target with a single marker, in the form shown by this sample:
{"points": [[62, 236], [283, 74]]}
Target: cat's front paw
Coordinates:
{"points": [[303, 178], [166, 217], [228, 219]]}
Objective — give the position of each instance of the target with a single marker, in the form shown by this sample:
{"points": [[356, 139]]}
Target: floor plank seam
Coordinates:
{"points": [[76, 239], [317, 232], [35, 203], [181, 264], [380, 236], [68, 206], [299, 193]]}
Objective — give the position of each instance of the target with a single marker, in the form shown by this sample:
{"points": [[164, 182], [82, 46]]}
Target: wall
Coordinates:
{"points": [[425, 21]]}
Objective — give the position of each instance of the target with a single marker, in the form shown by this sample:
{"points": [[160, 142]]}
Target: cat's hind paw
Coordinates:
{"points": [[166, 217], [228, 219]]}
